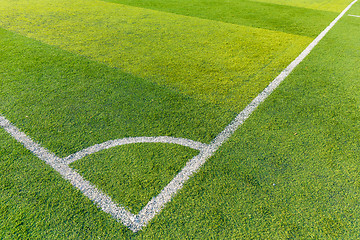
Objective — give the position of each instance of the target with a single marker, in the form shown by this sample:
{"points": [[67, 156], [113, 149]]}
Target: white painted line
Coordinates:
{"points": [[113, 143], [157, 203], [354, 15], [61, 166], [154, 206], [101, 199]]}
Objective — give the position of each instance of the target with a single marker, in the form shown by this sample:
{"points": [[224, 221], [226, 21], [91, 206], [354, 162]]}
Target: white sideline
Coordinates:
{"points": [[154, 206], [101, 199], [61, 165], [354, 15], [157, 203]]}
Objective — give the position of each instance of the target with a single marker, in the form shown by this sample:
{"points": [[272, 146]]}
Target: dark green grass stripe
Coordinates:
{"points": [[304, 138], [67, 102], [294, 20], [223, 63], [326, 5], [292, 171]]}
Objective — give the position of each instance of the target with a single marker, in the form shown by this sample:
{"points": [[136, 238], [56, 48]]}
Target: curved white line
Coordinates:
{"points": [[100, 199], [118, 142], [154, 206]]}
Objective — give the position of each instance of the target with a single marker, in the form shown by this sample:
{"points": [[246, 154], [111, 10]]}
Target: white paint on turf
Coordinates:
{"points": [[113, 143], [157, 203], [154, 206], [101, 199], [61, 165], [354, 15]]}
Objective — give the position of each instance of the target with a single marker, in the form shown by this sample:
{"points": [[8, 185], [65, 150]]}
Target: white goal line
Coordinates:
{"points": [[156, 204]]}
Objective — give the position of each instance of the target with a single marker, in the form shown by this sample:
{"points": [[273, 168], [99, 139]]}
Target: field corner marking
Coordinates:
{"points": [[131, 140], [154, 206], [61, 165], [158, 202]]}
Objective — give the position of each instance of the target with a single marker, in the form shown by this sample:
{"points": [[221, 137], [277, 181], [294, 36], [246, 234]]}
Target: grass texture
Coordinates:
{"points": [[133, 174], [326, 5], [221, 63], [290, 172], [68, 103], [36, 203], [296, 19]]}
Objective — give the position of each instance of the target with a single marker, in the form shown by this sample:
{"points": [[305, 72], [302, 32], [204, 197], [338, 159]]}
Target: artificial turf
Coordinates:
{"points": [[68, 102], [36, 203], [133, 174], [273, 15], [224, 64], [326, 5], [289, 172]]}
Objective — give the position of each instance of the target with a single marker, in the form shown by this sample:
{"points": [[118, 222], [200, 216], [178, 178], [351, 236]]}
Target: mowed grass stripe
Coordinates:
{"points": [[282, 17], [326, 5], [312, 118], [291, 171], [234, 196], [221, 63], [67, 102]]}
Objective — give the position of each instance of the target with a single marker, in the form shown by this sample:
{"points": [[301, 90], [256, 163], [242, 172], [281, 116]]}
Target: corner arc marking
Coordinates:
{"points": [[154, 206], [131, 140], [102, 200]]}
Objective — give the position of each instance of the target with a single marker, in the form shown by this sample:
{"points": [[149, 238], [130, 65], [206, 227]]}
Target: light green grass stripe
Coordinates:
{"points": [[326, 5], [68, 103], [222, 63]]}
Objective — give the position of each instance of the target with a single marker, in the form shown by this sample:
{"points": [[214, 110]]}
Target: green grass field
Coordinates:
{"points": [[78, 73]]}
